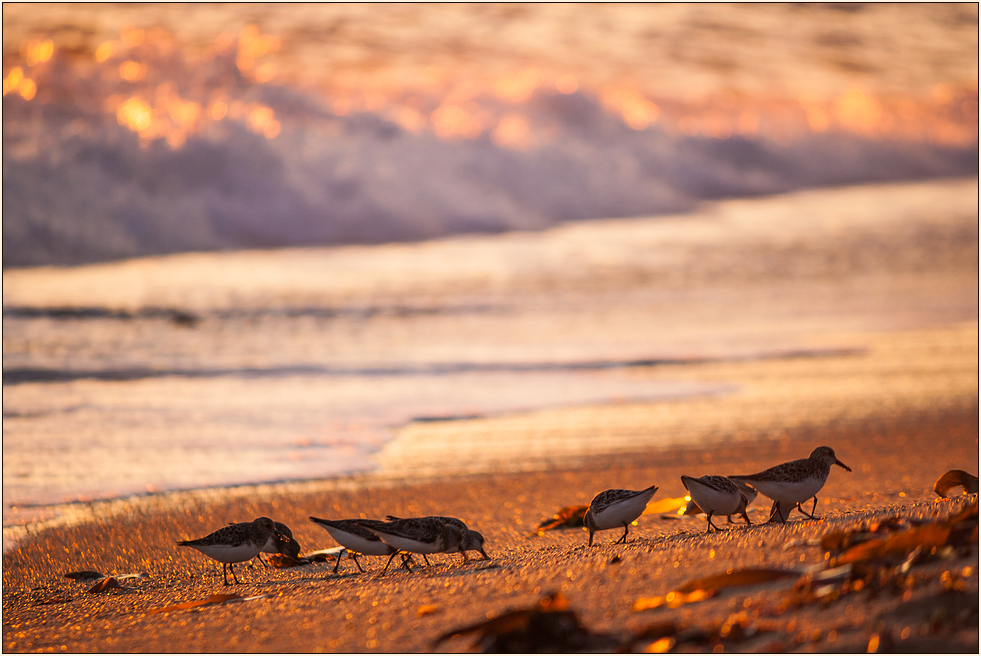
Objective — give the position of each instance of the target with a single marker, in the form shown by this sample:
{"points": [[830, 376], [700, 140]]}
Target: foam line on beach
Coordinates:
{"points": [[15, 375]]}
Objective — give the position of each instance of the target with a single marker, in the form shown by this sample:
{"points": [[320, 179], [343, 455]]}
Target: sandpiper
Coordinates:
{"points": [[280, 542], [792, 483], [615, 508], [353, 536], [421, 535], [470, 540], [717, 495], [236, 543]]}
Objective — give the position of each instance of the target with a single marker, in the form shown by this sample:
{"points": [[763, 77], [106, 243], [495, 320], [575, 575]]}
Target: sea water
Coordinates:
{"points": [[131, 130]]}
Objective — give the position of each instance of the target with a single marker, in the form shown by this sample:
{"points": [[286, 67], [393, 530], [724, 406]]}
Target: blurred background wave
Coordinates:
{"points": [[131, 130]]}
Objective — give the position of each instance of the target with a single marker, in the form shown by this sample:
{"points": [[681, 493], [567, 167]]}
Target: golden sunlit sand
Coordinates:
{"points": [[308, 608]]}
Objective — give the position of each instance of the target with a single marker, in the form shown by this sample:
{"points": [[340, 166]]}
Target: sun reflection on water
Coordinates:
{"points": [[163, 92]]}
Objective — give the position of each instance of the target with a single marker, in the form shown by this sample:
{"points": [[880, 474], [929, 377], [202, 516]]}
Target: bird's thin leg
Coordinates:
{"points": [[389, 561], [775, 512], [813, 508], [426, 559], [746, 517], [708, 529], [623, 538], [406, 561], [231, 568], [354, 557], [262, 560]]}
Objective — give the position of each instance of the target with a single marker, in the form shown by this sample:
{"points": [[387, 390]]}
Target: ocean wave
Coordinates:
{"points": [[84, 184]]}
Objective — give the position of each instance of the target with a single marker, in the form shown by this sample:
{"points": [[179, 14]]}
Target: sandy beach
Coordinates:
{"points": [[854, 328], [310, 609]]}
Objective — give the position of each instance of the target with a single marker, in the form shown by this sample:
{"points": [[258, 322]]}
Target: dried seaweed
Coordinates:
{"points": [[567, 517], [673, 599], [282, 560], [662, 637], [897, 545], [549, 626], [213, 599], [667, 506], [85, 575], [103, 581], [108, 583], [880, 559], [706, 588], [956, 478]]}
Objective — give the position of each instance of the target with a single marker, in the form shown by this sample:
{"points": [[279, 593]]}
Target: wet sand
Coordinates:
{"points": [[895, 456]]}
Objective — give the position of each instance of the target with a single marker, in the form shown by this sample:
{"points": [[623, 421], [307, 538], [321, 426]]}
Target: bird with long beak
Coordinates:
{"points": [[791, 483]]}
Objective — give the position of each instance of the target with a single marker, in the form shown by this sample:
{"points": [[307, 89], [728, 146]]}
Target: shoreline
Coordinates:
{"points": [[753, 412], [308, 608], [736, 278]]}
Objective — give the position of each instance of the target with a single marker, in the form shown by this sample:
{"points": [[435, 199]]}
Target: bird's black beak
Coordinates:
{"points": [[842, 465]]}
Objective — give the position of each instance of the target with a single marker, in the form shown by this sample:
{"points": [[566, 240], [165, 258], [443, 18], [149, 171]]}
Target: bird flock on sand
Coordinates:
{"points": [[788, 485]]}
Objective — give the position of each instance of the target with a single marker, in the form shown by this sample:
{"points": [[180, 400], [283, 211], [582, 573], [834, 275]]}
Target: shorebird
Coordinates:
{"points": [[421, 535], [280, 542], [717, 495], [353, 536], [615, 508], [470, 540], [791, 483], [236, 543]]}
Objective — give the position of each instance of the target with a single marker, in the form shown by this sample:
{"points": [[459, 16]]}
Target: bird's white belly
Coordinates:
{"points": [[408, 544], [358, 544], [229, 554], [621, 513], [717, 502], [790, 492]]}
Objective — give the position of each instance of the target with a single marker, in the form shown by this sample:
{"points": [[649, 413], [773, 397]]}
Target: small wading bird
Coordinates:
{"points": [[353, 536], [470, 541], [616, 508], [236, 543], [717, 495], [791, 483], [280, 542], [421, 535]]}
